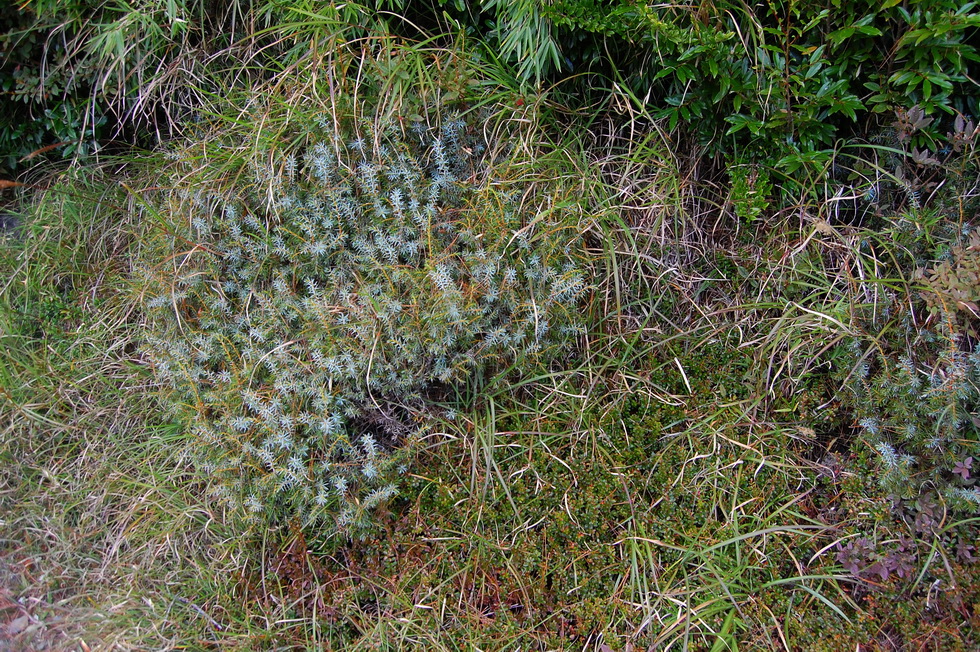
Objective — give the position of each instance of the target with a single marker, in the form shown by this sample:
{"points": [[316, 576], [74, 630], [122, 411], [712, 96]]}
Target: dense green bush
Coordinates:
{"points": [[85, 72], [777, 81], [46, 107], [303, 333], [82, 73]]}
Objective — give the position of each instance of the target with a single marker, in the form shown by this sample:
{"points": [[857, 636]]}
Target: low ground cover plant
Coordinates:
{"points": [[305, 319]]}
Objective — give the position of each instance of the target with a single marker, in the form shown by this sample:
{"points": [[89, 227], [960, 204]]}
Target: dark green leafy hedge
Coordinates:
{"points": [[778, 80]]}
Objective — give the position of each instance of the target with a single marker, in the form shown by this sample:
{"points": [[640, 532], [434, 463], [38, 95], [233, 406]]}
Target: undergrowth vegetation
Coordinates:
{"points": [[307, 315], [385, 345]]}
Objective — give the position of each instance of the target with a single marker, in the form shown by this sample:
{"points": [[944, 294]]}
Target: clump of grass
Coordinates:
{"points": [[89, 499]]}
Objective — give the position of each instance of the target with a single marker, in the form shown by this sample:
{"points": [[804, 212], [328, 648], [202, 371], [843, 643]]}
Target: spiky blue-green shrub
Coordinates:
{"points": [[301, 330], [917, 408]]}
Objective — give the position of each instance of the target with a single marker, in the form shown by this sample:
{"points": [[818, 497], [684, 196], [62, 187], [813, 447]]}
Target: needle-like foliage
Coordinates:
{"points": [[300, 338]]}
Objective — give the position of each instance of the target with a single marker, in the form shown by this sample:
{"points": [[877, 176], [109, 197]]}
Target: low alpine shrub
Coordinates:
{"points": [[300, 331]]}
